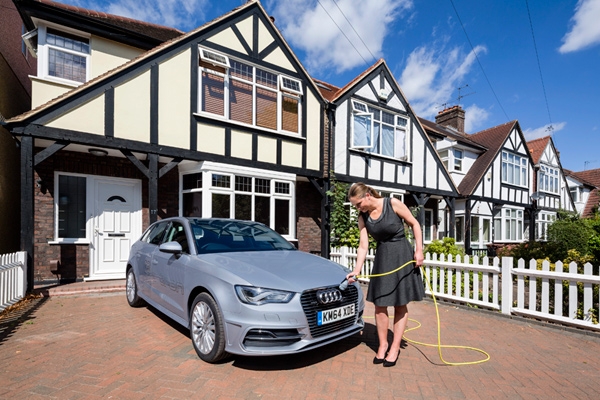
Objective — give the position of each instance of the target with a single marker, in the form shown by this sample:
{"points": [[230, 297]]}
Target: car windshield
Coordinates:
{"points": [[218, 236]]}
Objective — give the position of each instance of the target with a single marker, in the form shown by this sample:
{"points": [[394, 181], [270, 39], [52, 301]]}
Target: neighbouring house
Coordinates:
{"points": [[584, 191], [551, 191], [16, 64], [494, 182], [377, 139], [222, 121]]}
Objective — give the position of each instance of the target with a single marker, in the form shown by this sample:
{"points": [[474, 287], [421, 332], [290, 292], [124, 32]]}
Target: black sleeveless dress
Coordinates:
{"points": [[393, 250]]}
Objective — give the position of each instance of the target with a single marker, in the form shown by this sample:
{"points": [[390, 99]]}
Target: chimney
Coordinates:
{"points": [[453, 117]]}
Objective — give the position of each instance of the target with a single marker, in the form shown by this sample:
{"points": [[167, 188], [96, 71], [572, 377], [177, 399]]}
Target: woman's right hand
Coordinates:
{"points": [[351, 277]]}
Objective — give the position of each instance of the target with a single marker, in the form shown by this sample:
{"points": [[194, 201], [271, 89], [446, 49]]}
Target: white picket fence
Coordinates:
{"points": [[479, 282], [13, 278]]}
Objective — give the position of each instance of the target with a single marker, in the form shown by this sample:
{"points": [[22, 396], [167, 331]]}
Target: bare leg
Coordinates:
{"points": [[382, 322], [400, 321]]}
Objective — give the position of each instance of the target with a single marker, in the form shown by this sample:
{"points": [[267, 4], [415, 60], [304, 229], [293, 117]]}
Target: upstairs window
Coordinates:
{"points": [[63, 55], [378, 131], [362, 126], [548, 179], [389, 133], [247, 94], [452, 159], [514, 169]]}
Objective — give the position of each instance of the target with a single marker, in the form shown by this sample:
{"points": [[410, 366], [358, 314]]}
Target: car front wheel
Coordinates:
{"points": [[206, 329], [131, 290]]}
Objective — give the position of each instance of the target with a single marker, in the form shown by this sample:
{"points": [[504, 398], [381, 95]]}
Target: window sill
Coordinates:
{"points": [[56, 81], [224, 120], [374, 155], [69, 241]]}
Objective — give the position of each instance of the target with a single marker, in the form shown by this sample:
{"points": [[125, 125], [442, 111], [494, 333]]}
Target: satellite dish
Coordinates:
{"points": [[536, 196]]}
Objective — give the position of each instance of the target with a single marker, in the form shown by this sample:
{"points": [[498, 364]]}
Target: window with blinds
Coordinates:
{"points": [[247, 94]]}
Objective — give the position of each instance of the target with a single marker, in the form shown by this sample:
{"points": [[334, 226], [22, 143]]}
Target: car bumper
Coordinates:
{"points": [[288, 328]]}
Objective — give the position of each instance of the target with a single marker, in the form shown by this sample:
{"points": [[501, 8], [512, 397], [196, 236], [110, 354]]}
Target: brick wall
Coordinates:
{"points": [[308, 217], [74, 259]]}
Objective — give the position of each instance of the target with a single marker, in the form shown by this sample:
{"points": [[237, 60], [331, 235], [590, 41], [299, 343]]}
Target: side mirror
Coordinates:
{"points": [[171, 248]]}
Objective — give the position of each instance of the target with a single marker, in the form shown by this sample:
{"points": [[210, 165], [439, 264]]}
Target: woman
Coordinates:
{"points": [[383, 219]]}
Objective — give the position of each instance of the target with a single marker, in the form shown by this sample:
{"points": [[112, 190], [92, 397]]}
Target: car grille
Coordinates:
{"points": [[311, 306]]}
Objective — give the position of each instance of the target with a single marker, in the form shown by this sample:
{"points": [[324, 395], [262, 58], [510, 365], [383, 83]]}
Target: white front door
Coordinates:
{"points": [[117, 224]]}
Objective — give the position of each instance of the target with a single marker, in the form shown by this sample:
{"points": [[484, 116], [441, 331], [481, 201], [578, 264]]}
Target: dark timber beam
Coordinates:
{"points": [[49, 151], [27, 206]]}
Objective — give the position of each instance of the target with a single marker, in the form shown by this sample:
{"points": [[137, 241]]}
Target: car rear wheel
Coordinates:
{"points": [[131, 290], [206, 329]]}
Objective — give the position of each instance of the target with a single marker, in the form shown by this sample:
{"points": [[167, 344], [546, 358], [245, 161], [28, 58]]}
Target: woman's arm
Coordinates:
{"points": [[363, 248], [403, 212]]}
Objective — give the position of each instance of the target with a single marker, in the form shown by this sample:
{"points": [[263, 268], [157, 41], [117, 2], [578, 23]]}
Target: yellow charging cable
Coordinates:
{"points": [[439, 344]]}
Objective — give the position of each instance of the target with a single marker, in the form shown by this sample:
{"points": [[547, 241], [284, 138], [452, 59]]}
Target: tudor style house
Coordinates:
{"points": [[550, 188], [222, 121], [493, 170], [378, 139]]}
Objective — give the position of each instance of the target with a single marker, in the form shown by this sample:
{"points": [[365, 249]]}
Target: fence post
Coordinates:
{"points": [[507, 286]]}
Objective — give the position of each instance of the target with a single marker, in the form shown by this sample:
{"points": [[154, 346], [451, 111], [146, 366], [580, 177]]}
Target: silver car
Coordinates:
{"points": [[241, 288]]}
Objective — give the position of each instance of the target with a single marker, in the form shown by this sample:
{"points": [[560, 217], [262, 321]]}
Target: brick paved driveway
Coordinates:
{"points": [[96, 346]]}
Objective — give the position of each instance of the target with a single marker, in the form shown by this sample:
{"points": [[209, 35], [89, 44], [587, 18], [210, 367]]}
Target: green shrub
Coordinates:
{"points": [[445, 246]]}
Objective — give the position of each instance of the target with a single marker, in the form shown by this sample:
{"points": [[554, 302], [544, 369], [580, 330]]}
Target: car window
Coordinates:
{"points": [[156, 232], [214, 236], [176, 233]]}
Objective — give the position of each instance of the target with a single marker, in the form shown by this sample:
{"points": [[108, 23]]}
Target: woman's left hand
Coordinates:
{"points": [[418, 258]]}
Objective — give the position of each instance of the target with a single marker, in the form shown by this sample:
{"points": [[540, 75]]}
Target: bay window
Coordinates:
{"points": [[239, 195]]}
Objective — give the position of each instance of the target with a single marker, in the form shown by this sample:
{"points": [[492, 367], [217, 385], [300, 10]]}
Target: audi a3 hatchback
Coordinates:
{"points": [[241, 288]]}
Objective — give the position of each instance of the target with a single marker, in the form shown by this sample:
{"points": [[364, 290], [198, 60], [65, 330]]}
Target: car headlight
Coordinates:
{"points": [[257, 296]]}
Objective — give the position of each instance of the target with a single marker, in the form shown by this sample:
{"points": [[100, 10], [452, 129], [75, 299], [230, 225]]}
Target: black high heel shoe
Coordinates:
{"points": [[378, 360], [388, 364]]}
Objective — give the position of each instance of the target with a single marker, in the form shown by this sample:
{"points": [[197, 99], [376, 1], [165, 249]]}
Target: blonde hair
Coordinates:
{"points": [[359, 190]]}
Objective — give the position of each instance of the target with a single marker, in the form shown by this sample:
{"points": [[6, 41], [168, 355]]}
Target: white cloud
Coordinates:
{"points": [[542, 131], [340, 34], [432, 75], [181, 14], [585, 31], [475, 118]]}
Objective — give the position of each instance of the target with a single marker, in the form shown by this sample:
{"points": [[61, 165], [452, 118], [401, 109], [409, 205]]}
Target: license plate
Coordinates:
{"points": [[336, 314]]}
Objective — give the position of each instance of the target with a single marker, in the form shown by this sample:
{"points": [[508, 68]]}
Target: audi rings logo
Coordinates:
{"points": [[329, 296]]}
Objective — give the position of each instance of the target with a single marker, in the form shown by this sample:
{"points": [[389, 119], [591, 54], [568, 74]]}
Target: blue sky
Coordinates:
{"points": [[535, 61]]}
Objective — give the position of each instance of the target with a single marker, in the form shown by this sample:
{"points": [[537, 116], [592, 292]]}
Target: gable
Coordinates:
{"points": [[400, 154], [252, 37]]}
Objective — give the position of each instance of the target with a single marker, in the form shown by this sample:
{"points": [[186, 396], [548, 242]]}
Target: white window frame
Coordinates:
{"points": [[399, 146], [43, 52], [214, 58], [458, 160], [510, 221], [360, 109], [519, 169], [548, 179], [543, 220], [284, 84], [282, 90], [480, 237], [209, 169]]}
